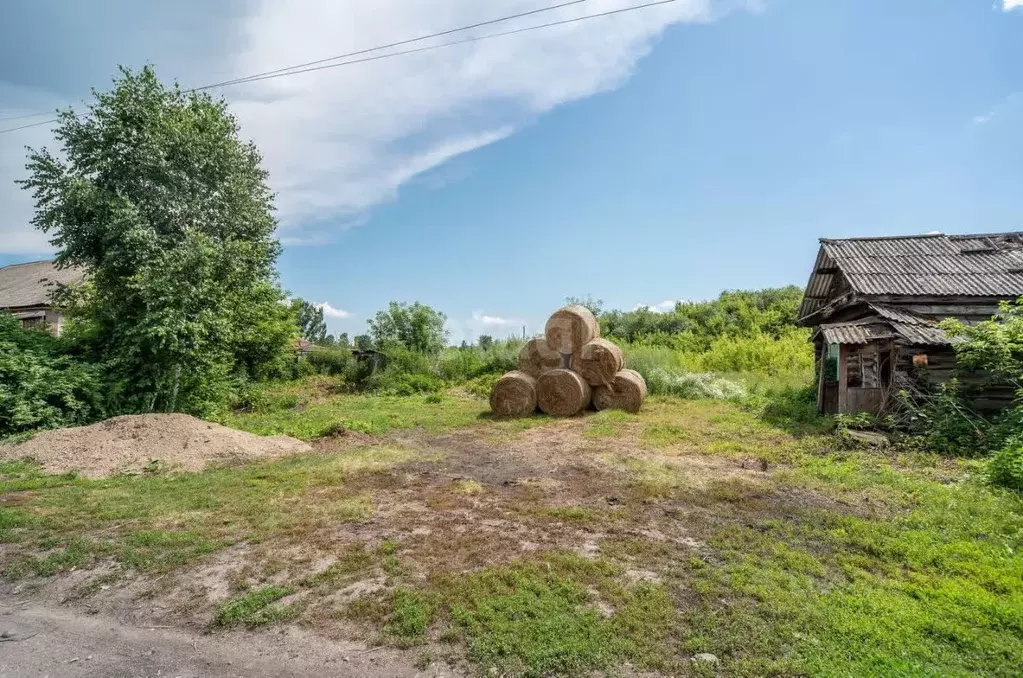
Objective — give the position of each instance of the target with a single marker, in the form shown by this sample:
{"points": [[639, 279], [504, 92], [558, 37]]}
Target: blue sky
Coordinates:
{"points": [[640, 159]]}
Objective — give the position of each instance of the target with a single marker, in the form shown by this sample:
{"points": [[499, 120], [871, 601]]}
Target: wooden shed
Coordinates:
{"points": [[875, 303]]}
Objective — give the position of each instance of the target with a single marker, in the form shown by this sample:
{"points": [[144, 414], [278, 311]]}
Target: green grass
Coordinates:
{"points": [[837, 562], [159, 523], [373, 414], [256, 608]]}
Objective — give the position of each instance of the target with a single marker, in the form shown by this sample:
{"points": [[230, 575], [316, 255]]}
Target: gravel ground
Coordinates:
{"points": [[129, 443]]}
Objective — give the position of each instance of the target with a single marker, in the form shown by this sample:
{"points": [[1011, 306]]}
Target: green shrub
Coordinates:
{"points": [[482, 385], [692, 385], [1005, 467], [41, 386], [333, 361], [791, 353]]}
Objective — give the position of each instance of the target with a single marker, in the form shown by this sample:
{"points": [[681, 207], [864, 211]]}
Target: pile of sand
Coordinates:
{"points": [[128, 443]]}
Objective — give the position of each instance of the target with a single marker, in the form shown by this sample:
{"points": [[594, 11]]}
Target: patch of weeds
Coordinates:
{"points": [[164, 550], [256, 608], [372, 414], [470, 487], [433, 399], [351, 562], [410, 615], [607, 424], [76, 554], [573, 515], [666, 435], [388, 550], [425, 658], [653, 479]]}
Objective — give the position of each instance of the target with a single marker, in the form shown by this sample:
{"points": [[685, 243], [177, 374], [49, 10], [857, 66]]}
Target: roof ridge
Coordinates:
{"points": [[914, 236]]}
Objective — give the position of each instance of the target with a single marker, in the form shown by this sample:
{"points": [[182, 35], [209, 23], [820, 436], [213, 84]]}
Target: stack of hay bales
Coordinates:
{"points": [[566, 370]]}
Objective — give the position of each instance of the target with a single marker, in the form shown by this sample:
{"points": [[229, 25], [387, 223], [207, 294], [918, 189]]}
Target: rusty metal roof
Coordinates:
{"points": [[866, 330], [932, 265], [31, 284]]}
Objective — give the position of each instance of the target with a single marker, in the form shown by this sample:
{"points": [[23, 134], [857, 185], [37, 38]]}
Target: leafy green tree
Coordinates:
{"points": [[154, 194], [363, 341], [342, 339], [485, 342], [310, 320], [416, 327], [994, 346], [596, 306]]}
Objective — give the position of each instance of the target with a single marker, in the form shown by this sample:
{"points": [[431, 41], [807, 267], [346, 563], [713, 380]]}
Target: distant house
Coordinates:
{"points": [[25, 291], [874, 305]]}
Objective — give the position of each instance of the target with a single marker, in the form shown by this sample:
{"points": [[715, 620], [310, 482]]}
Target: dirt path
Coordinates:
{"points": [[46, 641]]}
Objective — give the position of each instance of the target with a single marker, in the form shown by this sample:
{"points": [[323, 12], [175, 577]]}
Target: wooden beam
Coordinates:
{"points": [[843, 378], [820, 379]]}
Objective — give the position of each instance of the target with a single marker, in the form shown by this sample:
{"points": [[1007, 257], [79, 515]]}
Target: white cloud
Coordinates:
{"points": [[1008, 5], [663, 307], [983, 119], [332, 312], [339, 141]]}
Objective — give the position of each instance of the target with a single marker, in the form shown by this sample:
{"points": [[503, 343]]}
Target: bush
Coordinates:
{"points": [[458, 365], [333, 361], [482, 385], [41, 386], [692, 385], [790, 353], [1005, 467]]}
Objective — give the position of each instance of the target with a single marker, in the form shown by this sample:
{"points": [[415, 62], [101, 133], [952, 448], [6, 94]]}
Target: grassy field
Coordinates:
{"points": [[558, 547]]}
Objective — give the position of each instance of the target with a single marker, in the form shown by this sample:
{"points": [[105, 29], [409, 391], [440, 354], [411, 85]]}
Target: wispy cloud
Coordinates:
{"points": [[332, 312], [494, 320], [1008, 5], [337, 142], [663, 307], [985, 118]]}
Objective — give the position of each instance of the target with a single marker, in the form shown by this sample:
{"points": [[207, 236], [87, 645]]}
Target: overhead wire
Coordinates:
{"points": [[322, 64]]}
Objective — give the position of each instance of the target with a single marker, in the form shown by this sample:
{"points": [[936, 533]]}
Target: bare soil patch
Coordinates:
{"points": [[128, 443]]}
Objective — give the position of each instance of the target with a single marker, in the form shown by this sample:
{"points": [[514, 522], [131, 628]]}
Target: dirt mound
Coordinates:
{"points": [[129, 442]]}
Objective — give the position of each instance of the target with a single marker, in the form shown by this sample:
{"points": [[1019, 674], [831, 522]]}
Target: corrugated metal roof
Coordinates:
{"points": [[922, 334], [854, 333], [31, 284], [865, 330], [900, 315], [933, 265]]}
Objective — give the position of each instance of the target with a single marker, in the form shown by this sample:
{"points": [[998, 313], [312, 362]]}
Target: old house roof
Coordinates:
{"points": [[26, 285], [931, 265]]}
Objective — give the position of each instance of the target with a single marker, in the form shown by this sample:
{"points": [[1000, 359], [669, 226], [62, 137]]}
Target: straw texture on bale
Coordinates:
{"points": [[568, 329], [598, 361], [536, 357], [627, 391], [562, 393], [514, 395]]}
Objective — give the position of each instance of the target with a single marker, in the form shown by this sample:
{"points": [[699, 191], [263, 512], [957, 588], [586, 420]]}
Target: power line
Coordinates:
{"points": [[280, 73], [23, 117], [393, 44], [333, 58], [455, 42]]}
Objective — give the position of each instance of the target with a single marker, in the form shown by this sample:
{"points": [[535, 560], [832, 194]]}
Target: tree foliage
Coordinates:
{"points": [[154, 195], [309, 318], [41, 385], [416, 327], [693, 326]]}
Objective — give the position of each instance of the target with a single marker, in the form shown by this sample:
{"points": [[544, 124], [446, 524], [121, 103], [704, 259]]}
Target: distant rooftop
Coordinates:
{"points": [[30, 284]]}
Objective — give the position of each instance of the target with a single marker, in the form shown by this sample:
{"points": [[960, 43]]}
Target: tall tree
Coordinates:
{"points": [[156, 196], [416, 326], [310, 320]]}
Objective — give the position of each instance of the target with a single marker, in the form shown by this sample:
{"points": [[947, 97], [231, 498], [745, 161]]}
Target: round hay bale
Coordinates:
{"points": [[598, 361], [536, 357], [562, 393], [627, 391], [514, 395], [569, 328]]}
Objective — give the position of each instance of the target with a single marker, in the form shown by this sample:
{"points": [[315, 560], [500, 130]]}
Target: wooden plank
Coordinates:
{"points": [[843, 378]]}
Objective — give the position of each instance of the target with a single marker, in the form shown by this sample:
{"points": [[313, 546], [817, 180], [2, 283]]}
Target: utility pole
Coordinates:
{"points": [[523, 331]]}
